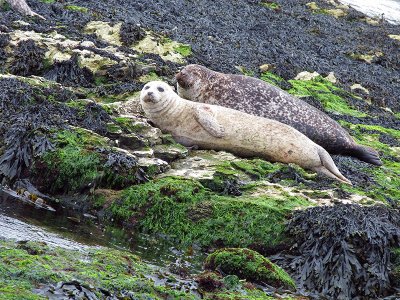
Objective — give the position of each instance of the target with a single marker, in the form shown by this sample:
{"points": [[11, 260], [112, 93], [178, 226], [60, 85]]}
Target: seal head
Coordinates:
{"points": [[153, 91]]}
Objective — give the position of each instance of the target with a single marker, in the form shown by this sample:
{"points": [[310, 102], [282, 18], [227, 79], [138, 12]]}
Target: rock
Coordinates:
{"points": [[371, 21], [250, 265], [331, 77], [358, 87], [395, 37], [94, 62], [200, 165], [145, 152], [105, 32], [131, 141], [87, 44], [306, 75], [336, 12], [265, 68], [129, 107], [153, 166], [167, 49], [312, 6], [170, 153]]}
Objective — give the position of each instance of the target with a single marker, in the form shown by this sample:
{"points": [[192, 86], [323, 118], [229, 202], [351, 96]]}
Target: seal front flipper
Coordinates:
{"points": [[203, 115]]}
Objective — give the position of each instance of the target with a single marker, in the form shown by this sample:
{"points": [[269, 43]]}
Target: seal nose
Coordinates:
{"points": [[149, 93], [181, 78]]}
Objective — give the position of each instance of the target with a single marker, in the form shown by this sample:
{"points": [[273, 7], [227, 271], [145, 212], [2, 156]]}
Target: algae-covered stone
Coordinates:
{"points": [[191, 214], [330, 96], [105, 31], [26, 270], [166, 48], [250, 265]]}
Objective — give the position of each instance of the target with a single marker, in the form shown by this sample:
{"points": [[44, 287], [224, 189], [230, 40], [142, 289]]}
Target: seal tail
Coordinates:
{"points": [[329, 168], [366, 154]]}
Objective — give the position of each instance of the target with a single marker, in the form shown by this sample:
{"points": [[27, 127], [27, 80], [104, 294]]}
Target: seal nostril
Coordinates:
{"points": [[149, 93]]}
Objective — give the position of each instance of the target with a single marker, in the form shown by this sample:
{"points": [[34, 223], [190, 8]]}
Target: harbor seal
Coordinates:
{"points": [[220, 128], [256, 97]]}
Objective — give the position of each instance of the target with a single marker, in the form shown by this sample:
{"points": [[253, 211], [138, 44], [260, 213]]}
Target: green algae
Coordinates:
{"points": [[152, 76], [330, 96], [270, 5], [189, 213], [28, 266], [130, 125], [246, 173], [73, 162], [387, 177], [250, 265], [369, 135], [243, 294], [100, 80], [184, 50], [77, 8], [115, 271], [272, 78]]}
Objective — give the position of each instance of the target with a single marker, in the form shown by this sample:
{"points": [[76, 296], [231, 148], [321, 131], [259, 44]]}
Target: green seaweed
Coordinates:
{"points": [[189, 213], [270, 5], [23, 268], [325, 92], [250, 265], [184, 50], [272, 78], [73, 162], [387, 177], [77, 8]]}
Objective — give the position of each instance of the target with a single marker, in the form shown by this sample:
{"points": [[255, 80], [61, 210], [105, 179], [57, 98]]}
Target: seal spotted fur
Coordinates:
{"points": [[221, 128], [256, 97]]}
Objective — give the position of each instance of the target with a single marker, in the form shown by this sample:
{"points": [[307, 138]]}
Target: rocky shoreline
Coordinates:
{"points": [[73, 135]]}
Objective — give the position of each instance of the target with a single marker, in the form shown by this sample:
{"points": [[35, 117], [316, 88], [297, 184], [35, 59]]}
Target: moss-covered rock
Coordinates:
{"points": [[329, 95], [186, 211], [25, 267], [250, 265]]}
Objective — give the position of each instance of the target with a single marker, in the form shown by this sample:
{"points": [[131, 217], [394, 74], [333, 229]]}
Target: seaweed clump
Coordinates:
{"points": [[248, 264], [70, 73], [29, 118], [28, 59], [131, 33], [4, 40], [343, 251]]}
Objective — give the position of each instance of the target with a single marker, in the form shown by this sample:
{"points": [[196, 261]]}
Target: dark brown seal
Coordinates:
{"points": [[256, 97]]}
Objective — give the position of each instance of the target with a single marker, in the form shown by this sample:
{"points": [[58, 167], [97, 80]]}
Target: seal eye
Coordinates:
{"points": [[160, 89], [146, 87]]}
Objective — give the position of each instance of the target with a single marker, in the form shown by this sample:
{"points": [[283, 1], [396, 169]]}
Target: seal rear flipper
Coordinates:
{"points": [[204, 116], [366, 154], [329, 168], [325, 171]]}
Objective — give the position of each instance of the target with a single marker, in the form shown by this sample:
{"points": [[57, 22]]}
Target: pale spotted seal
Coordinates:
{"points": [[220, 128], [256, 97]]}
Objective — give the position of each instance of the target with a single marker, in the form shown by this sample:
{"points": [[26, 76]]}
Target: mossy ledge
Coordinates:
{"points": [[250, 265], [27, 266], [187, 212]]}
